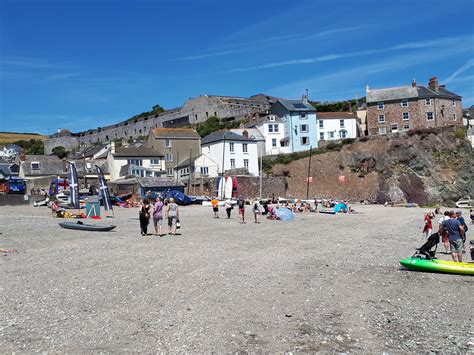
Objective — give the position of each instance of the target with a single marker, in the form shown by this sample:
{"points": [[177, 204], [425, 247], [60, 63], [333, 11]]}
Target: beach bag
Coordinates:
{"points": [[178, 224]]}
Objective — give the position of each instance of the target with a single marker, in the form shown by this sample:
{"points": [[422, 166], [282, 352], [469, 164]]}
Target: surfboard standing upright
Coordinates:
{"points": [[104, 190], [73, 184]]}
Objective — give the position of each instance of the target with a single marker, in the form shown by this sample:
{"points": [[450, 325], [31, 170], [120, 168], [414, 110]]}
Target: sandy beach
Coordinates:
{"points": [[319, 283]]}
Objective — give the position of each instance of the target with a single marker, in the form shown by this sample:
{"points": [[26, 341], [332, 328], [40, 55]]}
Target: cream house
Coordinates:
{"points": [[199, 167], [143, 162]]}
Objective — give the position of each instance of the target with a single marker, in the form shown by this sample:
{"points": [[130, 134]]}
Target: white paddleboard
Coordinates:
{"points": [[228, 187]]}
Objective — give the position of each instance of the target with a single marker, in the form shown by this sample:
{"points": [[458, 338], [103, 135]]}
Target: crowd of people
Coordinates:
{"points": [[452, 229], [158, 211]]}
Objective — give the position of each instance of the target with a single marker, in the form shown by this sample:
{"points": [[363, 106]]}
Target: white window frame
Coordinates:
{"points": [[306, 130], [169, 157], [35, 163], [404, 103], [392, 126], [271, 118], [342, 123], [245, 148], [432, 116], [382, 131], [204, 171], [454, 116], [406, 126], [321, 124], [232, 163], [167, 143], [345, 133], [276, 128], [155, 161], [169, 171], [274, 143], [454, 103], [303, 116], [321, 136], [270, 128], [403, 116], [137, 162], [246, 164], [307, 140], [380, 105], [331, 135], [231, 147], [427, 102], [381, 120]]}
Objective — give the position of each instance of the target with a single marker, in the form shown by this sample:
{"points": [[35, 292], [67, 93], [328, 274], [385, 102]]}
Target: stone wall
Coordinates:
{"points": [[249, 186], [194, 110]]}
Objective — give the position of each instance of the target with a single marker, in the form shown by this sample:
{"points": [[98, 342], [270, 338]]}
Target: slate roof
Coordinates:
{"points": [[335, 115], [137, 152], [52, 165], [89, 152], [177, 133], [408, 92], [264, 119], [219, 136], [254, 133], [297, 105], [157, 182], [9, 169]]}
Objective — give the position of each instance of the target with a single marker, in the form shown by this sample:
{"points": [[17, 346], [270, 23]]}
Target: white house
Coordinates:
{"points": [[252, 133], [200, 167], [233, 150], [468, 122], [144, 162], [336, 125], [272, 129]]}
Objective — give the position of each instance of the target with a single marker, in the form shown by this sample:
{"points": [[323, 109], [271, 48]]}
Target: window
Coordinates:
{"points": [[246, 164], [232, 163], [428, 102], [341, 123], [274, 143], [430, 116], [406, 126], [404, 103], [454, 116], [137, 172], [154, 161], [321, 136], [231, 147], [35, 165], [321, 124], [454, 103], [204, 170], [273, 128], [330, 135], [169, 171], [304, 140], [343, 133], [245, 147], [138, 162], [303, 116], [167, 143], [207, 114], [381, 118], [184, 172], [382, 130], [406, 116], [394, 128], [380, 105], [168, 157], [272, 118], [304, 128]]}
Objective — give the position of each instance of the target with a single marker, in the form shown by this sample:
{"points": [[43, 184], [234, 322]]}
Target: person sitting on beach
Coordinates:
{"points": [[471, 212], [215, 207], [455, 232]]}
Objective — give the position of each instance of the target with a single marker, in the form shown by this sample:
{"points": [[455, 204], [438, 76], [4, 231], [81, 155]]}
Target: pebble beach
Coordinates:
{"points": [[319, 283]]}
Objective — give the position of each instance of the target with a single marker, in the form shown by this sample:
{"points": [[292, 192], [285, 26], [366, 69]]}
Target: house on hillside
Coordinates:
{"points": [[200, 167], [336, 125], [8, 169], [396, 109], [143, 162], [299, 118], [272, 128], [176, 144], [231, 151], [468, 122], [92, 152], [252, 133]]}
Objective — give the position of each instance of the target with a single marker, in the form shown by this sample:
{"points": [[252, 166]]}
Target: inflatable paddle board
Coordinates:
{"points": [[228, 188]]}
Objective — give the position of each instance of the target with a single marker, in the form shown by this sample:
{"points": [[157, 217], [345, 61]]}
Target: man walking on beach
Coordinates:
{"points": [[241, 204], [215, 207], [455, 233]]}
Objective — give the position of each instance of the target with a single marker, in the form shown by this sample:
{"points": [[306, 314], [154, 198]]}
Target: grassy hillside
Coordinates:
{"points": [[9, 137]]}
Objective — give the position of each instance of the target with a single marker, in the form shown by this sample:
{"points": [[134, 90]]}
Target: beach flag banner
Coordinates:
{"points": [[104, 189], [73, 184]]}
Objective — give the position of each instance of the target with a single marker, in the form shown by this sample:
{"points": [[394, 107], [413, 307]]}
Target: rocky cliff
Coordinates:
{"points": [[425, 166]]}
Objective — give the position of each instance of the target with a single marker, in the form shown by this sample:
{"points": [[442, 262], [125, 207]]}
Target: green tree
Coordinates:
{"points": [[60, 152], [32, 146], [212, 124]]}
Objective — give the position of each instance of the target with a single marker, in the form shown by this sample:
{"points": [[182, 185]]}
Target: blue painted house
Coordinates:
{"points": [[299, 118]]}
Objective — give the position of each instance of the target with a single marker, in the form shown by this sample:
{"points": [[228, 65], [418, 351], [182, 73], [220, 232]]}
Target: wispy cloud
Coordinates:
{"points": [[462, 69], [33, 63], [248, 46], [328, 57]]}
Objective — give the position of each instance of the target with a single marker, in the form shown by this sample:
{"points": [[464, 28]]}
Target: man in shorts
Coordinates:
{"points": [[241, 205], [455, 233]]}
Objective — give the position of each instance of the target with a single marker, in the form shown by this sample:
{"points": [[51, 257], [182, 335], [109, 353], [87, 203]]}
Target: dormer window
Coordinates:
{"points": [[167, 143], [35, 165], [271, 118]]}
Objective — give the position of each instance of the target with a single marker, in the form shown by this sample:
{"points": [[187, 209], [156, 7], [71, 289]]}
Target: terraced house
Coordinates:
{"points": [[396, 109]]}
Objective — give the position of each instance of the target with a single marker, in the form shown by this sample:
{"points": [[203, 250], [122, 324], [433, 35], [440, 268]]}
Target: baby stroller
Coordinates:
{"points": [[426, 249]]}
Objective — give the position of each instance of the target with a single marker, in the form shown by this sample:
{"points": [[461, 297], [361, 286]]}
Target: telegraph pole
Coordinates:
{"points": [[309, 172]]}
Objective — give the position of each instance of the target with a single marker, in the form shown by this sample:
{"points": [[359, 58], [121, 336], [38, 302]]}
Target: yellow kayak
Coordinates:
{"points": [[436, 265]]}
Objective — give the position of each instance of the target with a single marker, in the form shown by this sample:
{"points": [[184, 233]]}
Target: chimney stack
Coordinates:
{"points": [[367, 88], [245, 133], [433, 84], [413, 83]]}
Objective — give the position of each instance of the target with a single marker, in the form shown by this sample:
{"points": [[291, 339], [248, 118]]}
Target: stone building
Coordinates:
{"points": [[193, 111], [396, 109]]}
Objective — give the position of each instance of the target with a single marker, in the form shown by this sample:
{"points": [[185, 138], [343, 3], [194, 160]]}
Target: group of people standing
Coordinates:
{"points": [[452, 229], [157, 211], [257, 209]]}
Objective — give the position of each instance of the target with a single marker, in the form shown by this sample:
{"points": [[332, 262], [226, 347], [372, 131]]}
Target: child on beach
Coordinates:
{"points": [[215, 207], [256, 211], [428, 227]]}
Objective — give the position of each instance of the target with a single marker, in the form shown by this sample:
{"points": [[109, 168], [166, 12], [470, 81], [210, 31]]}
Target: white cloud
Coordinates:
{"points": [[462, 69]]}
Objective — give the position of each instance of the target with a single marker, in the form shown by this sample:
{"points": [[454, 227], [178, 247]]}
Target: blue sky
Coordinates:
{"points": [[82, 64]]}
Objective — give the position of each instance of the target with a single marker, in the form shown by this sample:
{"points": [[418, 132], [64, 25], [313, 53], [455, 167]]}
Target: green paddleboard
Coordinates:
{"points": [[436, 265]]}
